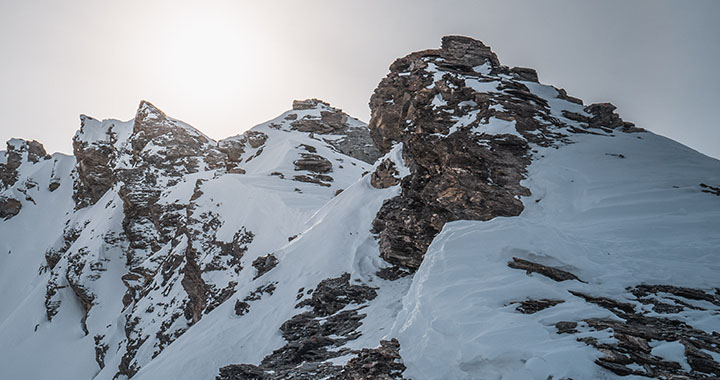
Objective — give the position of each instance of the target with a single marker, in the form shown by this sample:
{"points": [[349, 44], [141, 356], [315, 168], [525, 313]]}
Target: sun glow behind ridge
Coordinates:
{"points": [[207, 52]]}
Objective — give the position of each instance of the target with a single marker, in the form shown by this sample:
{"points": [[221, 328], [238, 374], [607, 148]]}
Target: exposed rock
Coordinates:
{"points": [[533, 306], [19, 151], [333, 294], [454, 176], [318, 335], [382, 363], [355, 140], [241, 307], [631, 353], [54, 184], [314, 163], [256, 138], [444, 106], [9, 207], [710, 189], [386, 175], [565, 327], [264, 264], [307, 104], [550, 272], [525, 73], [314, 178], [94, 164]]}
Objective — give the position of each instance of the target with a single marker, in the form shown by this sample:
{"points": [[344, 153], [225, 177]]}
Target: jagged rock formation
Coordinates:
{"points": [[315, 336], [466, 123]]}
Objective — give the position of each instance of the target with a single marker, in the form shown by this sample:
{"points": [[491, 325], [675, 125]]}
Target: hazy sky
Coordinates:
{"points": [[224, 66]]}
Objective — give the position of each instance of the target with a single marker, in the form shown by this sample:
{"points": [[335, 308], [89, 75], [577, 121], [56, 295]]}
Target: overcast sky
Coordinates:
{"points": [[224, 66]]}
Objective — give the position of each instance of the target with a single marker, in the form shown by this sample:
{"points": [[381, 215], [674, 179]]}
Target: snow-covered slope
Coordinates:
{"points": [[615, 223], [483, 226]]}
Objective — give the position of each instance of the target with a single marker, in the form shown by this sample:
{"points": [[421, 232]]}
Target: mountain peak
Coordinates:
{"points": [[469, 50], [307, 104], [147, 110]]}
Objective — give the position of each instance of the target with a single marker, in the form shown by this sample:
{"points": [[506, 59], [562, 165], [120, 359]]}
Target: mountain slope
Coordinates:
{"points": [[483, 225]]}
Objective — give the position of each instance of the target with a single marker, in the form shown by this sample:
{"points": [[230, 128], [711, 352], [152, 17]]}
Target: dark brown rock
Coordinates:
{"points": [[314, 178], [314, 163], [525, 73], [356, 141], [241, 307], [386, 175], [463, 175], [264, 264], [256, 139], [565, 327], [334, 294], [533, 306], [17, 149], [710, 189], [633, 330], [315, 336], [550, 272], [9, 207]]}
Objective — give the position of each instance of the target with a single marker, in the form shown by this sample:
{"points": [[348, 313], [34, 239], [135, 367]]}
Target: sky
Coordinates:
{"points": [[225, 66]]}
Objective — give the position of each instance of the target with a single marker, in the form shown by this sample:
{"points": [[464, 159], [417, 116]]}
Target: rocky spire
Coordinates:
{"points": [[467, 124]]}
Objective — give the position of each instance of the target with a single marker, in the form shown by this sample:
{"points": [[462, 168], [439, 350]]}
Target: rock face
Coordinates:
{"points": [[315, 336], [19, 151], [354, 142], [465, 122], [9, 207]]}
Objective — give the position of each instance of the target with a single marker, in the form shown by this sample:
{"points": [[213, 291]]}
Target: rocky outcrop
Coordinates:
{"points": [[9, 207], [634, 331], [264, 264], [317, 335], [547, 271], [19, 151], [710, 189], [95, 161], [385, 175], [344, 133], [314, 163], [467, 124]]}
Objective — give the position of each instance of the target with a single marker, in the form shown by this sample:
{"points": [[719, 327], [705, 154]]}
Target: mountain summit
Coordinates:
{"points": [[481, 225]]}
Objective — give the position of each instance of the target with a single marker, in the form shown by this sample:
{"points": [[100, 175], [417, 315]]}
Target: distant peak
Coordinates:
{"points": [[34, 148], [307, 104], [147, 110]]}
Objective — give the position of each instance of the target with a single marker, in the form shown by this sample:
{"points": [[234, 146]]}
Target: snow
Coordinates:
{"points": [[497, 126], [436, 73], [671, 351], [557, 105], [613, 222], [482, 85], [483, 69], [438, 101]]}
